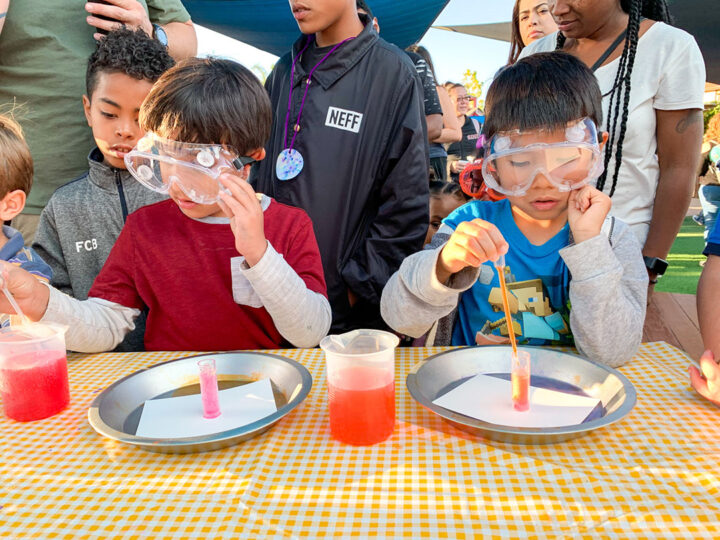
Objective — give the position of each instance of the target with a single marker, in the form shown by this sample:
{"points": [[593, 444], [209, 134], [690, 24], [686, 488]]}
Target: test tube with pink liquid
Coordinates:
{"points": [[209, 388], [520, 378]]}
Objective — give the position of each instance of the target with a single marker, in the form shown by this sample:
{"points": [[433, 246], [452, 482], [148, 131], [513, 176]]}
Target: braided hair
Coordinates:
{"points": [[656, 10]]}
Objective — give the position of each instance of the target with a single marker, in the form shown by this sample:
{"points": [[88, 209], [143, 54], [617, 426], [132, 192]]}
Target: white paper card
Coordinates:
{"points": [[177, 417], [490, 399]]}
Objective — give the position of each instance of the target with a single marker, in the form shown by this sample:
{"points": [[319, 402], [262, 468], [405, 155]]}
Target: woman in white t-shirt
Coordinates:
{"points": [[652, 77]]}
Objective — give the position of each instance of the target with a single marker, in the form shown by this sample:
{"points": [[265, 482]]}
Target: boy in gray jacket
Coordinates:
{"points": [[574, 275], [83, 218]]}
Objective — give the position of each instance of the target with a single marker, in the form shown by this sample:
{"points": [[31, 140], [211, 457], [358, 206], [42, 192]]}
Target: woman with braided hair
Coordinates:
{"points": [[652, 78]]}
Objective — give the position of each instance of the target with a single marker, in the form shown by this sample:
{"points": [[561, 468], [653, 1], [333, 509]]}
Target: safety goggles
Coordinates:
{"points": [[157, 163], [473, 184], [511, 165]]}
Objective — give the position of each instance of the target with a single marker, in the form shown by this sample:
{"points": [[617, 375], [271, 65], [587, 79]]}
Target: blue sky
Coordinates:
{"points": [[452, 53]]}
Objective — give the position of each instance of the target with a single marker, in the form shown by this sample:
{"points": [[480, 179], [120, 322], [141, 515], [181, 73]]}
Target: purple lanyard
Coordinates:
{"points": [[307, 86]]}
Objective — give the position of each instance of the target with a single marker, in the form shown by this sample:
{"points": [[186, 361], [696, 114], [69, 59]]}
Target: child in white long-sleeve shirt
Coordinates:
{"points": [[574, 275]]}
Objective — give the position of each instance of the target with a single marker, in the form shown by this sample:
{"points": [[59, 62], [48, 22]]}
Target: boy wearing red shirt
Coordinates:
{"points": [[218, 267]]}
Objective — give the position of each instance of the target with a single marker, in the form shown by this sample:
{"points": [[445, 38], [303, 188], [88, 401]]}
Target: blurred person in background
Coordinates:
{"points": [[531, 20], [462, 152], [450, 131], [44, 47]]}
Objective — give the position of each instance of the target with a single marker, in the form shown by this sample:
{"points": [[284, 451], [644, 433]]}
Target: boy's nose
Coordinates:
{"points": [[125, 130], [541, 181]]}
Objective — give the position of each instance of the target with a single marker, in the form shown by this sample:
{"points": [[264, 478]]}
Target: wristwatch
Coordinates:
{"points": [[160, 34], [656, 266]]}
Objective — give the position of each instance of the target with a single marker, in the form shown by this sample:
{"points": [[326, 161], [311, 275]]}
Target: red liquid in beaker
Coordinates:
{"points": [[362, 406], [34, 385], [521, 391]]}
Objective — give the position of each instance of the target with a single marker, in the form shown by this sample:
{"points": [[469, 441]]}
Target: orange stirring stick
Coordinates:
{"points": [[520, 370], [500, 267]]}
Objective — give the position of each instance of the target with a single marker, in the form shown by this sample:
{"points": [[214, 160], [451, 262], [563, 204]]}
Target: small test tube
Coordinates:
{"points": [[209, 388], [520, 378]]}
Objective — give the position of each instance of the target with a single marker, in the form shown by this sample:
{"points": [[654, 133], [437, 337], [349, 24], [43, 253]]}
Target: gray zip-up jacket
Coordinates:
{"points": [[608, 293], [81, 223]]}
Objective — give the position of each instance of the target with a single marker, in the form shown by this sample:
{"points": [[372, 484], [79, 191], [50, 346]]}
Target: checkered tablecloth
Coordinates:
{"points": [[654, 474]]}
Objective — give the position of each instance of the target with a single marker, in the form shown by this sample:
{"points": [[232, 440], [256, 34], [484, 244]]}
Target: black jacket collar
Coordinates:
{"points": [[341, 61]]}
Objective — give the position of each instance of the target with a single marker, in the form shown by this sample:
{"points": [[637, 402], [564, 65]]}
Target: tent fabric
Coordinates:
{"points": [[270, 26], [500, 31]]}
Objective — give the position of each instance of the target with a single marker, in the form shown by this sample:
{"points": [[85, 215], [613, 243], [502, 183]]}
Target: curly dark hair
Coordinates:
{"points": [[127, 51]]}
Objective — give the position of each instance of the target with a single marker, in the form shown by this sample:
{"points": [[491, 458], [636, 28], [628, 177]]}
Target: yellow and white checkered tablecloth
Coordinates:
{"points": [[654, 474]]}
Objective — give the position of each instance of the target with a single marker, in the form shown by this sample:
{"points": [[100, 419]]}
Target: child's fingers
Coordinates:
{"points": [[484, 228], [225, 208], [698, 383], [241, 191], [581, 198], [234, 207], [711, 372], [487, 247]]}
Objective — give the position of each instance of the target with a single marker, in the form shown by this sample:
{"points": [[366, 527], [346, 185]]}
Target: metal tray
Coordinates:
{"points": [[115, 412], [558, 370]]}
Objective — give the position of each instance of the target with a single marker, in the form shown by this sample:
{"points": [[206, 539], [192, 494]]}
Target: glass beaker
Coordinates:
{"points": [[361, 385], [33, 371]]}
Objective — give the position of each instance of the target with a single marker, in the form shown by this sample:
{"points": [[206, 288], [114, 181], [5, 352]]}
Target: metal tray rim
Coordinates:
{"points": [[628, 404], [101, 427]]}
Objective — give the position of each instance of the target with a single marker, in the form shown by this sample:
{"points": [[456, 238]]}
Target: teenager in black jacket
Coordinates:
{"points": [[358, 127]]}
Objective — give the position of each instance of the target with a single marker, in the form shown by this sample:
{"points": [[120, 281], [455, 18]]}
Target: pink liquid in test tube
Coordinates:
{"points": [[209, 388], [520, 378]]}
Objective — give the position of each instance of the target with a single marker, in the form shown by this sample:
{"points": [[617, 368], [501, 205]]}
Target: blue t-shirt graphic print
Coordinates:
{"points": [[538, 285]]}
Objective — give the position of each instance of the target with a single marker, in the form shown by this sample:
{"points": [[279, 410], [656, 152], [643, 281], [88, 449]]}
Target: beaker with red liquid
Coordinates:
{"points": [[361, 385], [33, 371]]}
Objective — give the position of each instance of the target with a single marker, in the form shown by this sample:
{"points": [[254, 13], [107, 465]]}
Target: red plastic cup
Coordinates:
{"points": [[361, 385], [33, 371]]}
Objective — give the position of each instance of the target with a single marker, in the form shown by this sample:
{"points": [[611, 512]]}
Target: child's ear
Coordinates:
{"points": [[86, 108], [258, 154], [603, 139], [12, 204]]}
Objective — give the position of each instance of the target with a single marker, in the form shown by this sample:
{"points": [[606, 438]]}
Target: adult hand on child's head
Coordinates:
{"points": [[587, 209], [131, 13], [31, 295], [473, 243], [709, 386], [246, 217]]}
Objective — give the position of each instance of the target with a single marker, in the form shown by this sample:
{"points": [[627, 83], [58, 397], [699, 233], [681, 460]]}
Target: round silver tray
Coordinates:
{"points": [[115, 412], [558, 370]]}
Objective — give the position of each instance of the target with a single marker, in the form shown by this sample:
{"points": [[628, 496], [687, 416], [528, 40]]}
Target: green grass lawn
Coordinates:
{"points": [[684, 271]]}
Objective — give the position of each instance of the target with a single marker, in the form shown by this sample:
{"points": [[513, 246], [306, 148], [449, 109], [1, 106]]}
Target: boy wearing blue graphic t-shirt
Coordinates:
{"points": [[574, 275]]}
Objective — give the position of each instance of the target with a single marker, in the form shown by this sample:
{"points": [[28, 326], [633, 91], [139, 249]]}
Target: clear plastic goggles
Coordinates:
{"points": [[157, 163], [511, 165]]}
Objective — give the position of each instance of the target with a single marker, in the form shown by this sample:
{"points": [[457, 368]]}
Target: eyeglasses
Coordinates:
{"points": [[157, 163], [464, 98]]}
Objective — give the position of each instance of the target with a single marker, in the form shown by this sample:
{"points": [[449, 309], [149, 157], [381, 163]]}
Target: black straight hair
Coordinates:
{"points": [[542, 91], [209, 101], [425, 55], [127, 51], [656, 10], [362, 4]]}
